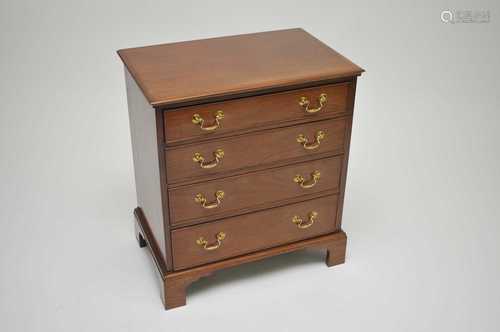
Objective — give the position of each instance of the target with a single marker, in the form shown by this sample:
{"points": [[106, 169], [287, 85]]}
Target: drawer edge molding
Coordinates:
{"points": [[320, 242], [246, 93], [253, 231], [175, 283], [270, 147], [233, 195], [256, 129], [255, 208], [244, 170], [183, 124], [345, 117]]}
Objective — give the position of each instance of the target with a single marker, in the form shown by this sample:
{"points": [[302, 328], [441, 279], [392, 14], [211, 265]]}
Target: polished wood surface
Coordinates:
{"points": [[195, 70], [177, 282], [347, 144], [254, 149], [262, 139], [174, 284], [253, 231], [251, 191], [245, 114], [147, 172], [145, 237]]}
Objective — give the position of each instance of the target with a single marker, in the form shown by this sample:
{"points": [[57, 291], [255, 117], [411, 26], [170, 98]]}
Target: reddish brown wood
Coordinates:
{"points": [[252, 232], [335, 254], [148, 173], [257, 149], [143, 231], [256, 80], [334, 243], [252, 190], [347, 144], [174, 284], [253, 113], [250, 169], [175, 290], [160, 134], [197, 70]]}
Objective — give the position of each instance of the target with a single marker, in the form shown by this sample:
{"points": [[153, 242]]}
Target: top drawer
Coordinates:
{"points": [[214, 119]]}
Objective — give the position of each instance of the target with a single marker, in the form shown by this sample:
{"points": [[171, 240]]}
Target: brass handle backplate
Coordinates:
{"points": [[300, 222], [304, 103], [198, 120], [204, 243], [200, 198], [302, 139], [315, 175], [218, 155]]}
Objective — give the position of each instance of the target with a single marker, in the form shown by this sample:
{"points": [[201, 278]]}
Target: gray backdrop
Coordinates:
{"points": [[421, 210]]}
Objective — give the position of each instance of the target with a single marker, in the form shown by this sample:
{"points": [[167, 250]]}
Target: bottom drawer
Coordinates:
{"points": [[200, 244]]}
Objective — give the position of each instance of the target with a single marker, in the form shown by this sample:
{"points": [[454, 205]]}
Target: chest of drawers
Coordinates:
{"points": [[240, 148]]}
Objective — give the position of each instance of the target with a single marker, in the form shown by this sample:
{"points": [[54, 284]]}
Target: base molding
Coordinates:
{"points": [[175, 283]]}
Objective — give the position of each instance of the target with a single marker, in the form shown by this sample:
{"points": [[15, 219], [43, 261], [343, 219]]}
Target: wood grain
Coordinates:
{"points": [[177, 282], [257, 81], [147, 170], [174, 284], [252, 190], [143, 231], [347, 144], [196, 70], [254, 112], [252, 232], [262, 148]]}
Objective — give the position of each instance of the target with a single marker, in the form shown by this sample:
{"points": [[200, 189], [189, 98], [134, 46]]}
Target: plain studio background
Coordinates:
{"points": [[421, 210]]}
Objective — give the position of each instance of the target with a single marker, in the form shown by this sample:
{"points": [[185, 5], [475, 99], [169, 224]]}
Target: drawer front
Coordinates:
{"points": [[207, 120], [231, 154], [219, 198], [235, 236]]}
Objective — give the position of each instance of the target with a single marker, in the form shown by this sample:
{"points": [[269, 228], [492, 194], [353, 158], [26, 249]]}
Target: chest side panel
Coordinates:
{"points": [[146, 164]]}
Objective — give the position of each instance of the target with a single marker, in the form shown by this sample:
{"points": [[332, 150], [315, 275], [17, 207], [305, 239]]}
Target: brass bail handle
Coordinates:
{"points": [[300, 222], [198, 120], [202, 200], [302, 139], [204, 243], [304, 103], [299, 179], [218, 155]]}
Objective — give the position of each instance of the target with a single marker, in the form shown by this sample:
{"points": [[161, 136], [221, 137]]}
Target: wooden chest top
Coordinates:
{"points": [[191, 71]]}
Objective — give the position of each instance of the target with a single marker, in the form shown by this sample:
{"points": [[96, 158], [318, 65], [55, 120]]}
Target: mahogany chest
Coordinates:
{"points": [[240, 148]]}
